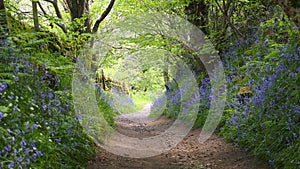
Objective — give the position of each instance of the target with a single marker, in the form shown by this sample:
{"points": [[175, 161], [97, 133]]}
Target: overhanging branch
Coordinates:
{"points": [[58, 13], [103, 16]]}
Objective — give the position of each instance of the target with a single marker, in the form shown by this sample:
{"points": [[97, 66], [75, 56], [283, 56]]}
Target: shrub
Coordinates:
{"points": [[38, 127], [268, 123]]}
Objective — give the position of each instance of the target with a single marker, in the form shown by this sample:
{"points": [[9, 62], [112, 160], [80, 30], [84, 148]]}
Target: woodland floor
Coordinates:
{"points": [[215, 153]]}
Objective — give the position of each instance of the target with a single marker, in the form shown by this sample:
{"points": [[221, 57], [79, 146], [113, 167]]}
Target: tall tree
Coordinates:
{"points": [[35, 15], [79, 9]]}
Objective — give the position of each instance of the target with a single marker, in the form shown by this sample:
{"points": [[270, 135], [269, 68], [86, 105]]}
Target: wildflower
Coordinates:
{"points": [[295, 135], [23, 143], [27, 160], [11, 50], [34, 155], [50, 95], [33, 144], [16, 78], [3, 86], [33, 126], [12, 139], [17, 69], [1, 115], [39, 153], [11, 165], [57, 140], [19, 160]]}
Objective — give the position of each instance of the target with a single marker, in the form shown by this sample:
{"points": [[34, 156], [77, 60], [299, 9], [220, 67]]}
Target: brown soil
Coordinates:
{"points": [[215, 153]]}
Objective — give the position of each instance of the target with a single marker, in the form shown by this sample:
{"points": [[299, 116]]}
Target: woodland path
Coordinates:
{"points": [[215, 153]]}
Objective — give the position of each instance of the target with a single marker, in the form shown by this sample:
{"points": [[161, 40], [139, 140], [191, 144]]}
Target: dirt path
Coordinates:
{"points": [[213, 154]]}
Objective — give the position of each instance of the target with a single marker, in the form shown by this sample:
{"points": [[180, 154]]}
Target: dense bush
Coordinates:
{"points": [[38, 128], [268, 123]]}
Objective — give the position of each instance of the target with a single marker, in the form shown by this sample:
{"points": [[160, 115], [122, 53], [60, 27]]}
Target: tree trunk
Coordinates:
{"points": [[77, 9], [166, 74], [87, 23], [35, 15], [103, 80], [3, 24]]}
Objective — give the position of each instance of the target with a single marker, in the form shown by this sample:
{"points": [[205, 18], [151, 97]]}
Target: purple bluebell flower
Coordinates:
{"points": [[3, 86], [39, 153], [11, 165], [27, 160], [12, 139], [16, 78], [19, 160], [271, 162], [33, 126], [34, 155], [11, 50], [17, 69], [33, 144], [295, 135], [23, 143], [50, 95]]}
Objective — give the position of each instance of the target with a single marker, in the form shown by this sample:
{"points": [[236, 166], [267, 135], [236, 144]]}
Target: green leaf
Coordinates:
{"points": [[4, 109], [272, 55], [298, 79]]}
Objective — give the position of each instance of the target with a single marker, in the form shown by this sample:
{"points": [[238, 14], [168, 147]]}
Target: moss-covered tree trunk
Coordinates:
{"points": [[3, 24], [35, 15], [77, 10]]}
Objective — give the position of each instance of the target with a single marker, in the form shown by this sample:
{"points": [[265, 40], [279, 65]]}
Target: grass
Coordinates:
{"points": [[140, 100]]}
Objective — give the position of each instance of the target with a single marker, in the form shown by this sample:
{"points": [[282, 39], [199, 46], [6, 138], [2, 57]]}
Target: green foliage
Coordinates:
{"points": [[260, 49], [110, 105], [38, 125], [267, 123], [140, 100]]}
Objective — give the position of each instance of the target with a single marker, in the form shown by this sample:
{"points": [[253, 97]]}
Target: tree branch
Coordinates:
{"points": [[235, 29], [58, 13], [103, 16], [41, 7], [58, 24]]}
